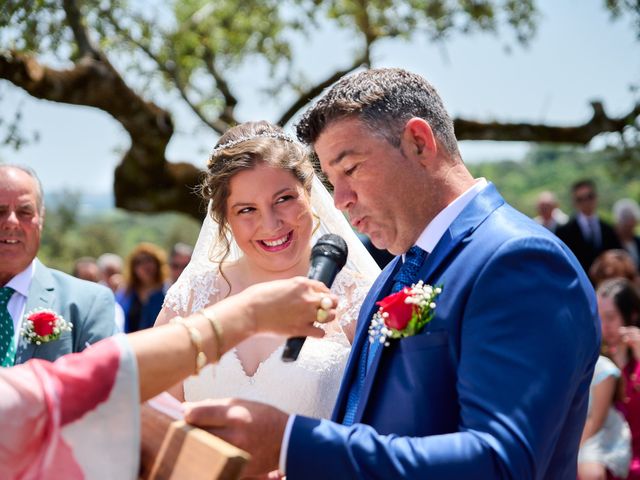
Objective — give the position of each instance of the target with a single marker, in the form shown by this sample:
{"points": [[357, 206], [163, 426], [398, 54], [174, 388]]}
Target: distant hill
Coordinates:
{"points": [[89, 203]]}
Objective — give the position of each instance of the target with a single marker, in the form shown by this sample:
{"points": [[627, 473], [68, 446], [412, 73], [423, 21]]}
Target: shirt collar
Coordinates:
{"points": [[22, 281], [584, 219], [431, 235]]}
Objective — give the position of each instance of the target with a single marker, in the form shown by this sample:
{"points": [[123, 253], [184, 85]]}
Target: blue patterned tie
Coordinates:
{"points": [[7, 349], [404, 277]]}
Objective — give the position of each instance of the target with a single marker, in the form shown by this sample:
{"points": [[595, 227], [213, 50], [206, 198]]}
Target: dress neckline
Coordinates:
{"points": [[260, 364]]}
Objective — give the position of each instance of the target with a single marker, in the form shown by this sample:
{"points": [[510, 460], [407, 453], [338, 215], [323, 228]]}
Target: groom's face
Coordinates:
{"points": [[375, 183]]}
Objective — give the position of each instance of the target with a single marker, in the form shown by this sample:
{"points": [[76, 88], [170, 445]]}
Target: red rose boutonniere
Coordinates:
{"points": [[404, 314], [43, 326]]}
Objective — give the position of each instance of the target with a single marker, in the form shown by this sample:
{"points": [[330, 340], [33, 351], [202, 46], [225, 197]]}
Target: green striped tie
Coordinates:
{"points": [[7, 347]]}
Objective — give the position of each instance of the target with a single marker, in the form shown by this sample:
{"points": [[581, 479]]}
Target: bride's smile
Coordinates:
{"points": [[278, 244]]}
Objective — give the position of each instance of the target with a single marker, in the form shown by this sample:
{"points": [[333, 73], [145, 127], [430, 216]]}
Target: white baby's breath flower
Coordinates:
{"points": [[420, 295]]}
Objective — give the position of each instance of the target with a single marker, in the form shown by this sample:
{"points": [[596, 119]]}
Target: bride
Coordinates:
{"points": [[266, 209]]}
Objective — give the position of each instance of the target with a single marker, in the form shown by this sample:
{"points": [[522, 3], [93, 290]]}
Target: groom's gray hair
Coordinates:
{"points": [[384, 99]]}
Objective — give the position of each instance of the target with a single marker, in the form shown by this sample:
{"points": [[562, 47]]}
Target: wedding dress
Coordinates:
{"points": [[309, 385]]}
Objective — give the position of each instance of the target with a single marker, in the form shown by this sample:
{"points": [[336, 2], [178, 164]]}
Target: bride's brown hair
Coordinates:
{"points": [[242, 148]]}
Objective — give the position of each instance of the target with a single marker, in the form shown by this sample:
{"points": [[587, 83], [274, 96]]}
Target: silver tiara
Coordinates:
{"points": [[232, 143]]}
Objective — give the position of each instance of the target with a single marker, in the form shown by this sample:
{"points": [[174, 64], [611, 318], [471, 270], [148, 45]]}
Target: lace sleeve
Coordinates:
{"points": [[193, 293], [351, 288]]}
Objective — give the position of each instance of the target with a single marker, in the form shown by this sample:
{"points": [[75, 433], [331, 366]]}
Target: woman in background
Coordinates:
{"points": [[619, 308], [605, 446], [616, 263], [142, 296]]}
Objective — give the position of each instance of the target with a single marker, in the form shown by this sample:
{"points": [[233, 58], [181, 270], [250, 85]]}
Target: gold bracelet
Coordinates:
{"points": [[217, 332], [196, 339]]}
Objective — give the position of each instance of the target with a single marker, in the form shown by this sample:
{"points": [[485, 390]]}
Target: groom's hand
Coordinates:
{"points": [[254, 427]]}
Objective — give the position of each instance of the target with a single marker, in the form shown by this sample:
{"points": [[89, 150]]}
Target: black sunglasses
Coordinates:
{"points": [[585, 198]]}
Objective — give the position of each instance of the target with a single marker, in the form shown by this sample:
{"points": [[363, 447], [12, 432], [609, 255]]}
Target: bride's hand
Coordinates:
{"points": [[287, 307]]}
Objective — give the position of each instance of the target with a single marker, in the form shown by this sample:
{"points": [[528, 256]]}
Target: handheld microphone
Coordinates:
{"points": [[328, 256]]}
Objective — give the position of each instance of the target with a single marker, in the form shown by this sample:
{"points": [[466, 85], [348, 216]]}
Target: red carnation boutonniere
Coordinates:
{"points": [[404, 314], [43, 326]]}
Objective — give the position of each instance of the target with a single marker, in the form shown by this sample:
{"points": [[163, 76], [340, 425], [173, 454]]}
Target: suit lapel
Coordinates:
{"points": [[459, 233], [380, 286], [41, 295]]}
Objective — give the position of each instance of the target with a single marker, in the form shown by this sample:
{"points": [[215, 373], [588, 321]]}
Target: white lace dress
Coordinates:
{"points": [[309, 386]]}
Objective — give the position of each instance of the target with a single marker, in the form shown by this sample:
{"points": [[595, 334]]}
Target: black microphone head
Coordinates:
{"points": [[332, 246]]}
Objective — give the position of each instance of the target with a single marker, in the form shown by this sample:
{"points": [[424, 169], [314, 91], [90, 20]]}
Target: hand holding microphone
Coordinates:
{"points": [[328, 256]]}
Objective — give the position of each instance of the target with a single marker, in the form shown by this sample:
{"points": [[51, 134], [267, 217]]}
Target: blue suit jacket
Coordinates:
{"points": [[88, 306], [496, 386]]}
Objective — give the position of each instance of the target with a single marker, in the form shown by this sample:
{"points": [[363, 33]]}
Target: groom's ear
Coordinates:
{"points": [[420, 141]]}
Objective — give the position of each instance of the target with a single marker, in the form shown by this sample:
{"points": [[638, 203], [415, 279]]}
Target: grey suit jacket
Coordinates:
{"points": [[88, 306]]}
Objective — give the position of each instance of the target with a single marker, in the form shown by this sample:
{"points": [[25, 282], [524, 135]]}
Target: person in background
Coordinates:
{"points": [[111, 266], [605, 447], [586, 234], [612, 264], [179, 258], [87, 269], [27, 286], [549, 215], [627, 213], [619, 308], [142, 296]]}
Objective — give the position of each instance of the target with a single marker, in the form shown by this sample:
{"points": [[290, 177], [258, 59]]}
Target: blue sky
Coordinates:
{"points": [[578, 55]]}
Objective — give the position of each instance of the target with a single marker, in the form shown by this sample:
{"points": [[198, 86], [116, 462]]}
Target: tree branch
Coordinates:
{"points": [[80, 34], [144, 180], [528, 132], [305, 97], [230, 100], [172, 72], [219, 125], [364, 59], [364, 23]]}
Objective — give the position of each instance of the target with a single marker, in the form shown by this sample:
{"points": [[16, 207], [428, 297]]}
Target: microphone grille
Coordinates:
{"points": [[331, 245]]}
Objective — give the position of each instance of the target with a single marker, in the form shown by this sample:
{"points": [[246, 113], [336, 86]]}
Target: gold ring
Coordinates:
{"points": [[321, 315], [326, 303]]}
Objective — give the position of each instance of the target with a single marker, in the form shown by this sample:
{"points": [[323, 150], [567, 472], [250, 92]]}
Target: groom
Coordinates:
{"points": [[496, 385]]}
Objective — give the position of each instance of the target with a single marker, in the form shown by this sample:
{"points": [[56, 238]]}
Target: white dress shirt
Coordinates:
{"points": [[20, 283], [590, 227], [427, 240]]}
